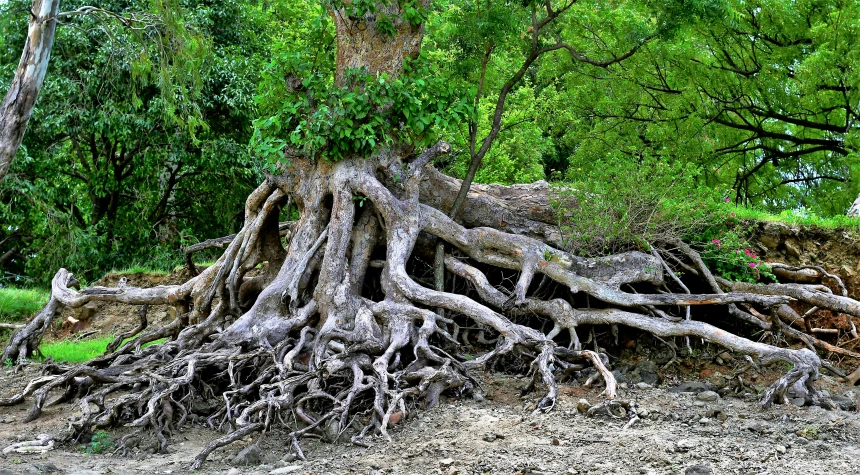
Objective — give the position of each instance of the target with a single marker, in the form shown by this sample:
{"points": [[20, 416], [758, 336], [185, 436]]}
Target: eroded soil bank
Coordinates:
{"points": [[681, 432]]}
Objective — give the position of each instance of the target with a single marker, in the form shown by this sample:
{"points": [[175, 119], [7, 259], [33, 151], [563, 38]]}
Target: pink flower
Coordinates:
{"points": [[752, 264], [733, 214], [726, 199]]}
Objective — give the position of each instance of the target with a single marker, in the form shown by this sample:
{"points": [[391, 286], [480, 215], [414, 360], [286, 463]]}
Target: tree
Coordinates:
{"points": [[17, 106], [339, 320], [159, 25], [116, 166], [763, 100]]}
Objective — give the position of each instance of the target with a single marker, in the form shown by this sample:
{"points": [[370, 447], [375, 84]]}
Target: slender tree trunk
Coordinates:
{"points": [[17, 106]]}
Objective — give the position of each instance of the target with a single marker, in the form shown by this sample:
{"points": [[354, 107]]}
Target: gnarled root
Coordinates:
{"points": [[333, 341]]}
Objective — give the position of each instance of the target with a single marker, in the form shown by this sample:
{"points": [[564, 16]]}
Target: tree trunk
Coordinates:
{"points": [[17, 106], [333, 334]]}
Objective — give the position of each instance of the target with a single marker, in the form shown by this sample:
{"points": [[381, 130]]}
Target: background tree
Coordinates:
{"points": [[116, 169]]}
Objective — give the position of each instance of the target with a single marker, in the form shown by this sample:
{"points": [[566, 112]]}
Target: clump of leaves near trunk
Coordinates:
{"points": [[332, 121]]}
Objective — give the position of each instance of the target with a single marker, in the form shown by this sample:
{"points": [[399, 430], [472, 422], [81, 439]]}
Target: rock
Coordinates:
{"points": [[85, 472], [233, 471], [769, 241], [643, 385], [86, 312], [446, 461], [648, 372], [706, 373], [202, 407], [704, 420], [685, 445], [621, 377], [707, 396], [780, 449], [692, 387], [791, 248], [719, 380], [798, 401], [582, 406], [699, 469], [6, 471], [842, 402], [643, 413], [250, 455], [287, 469], [46, 467], [396, 417]]}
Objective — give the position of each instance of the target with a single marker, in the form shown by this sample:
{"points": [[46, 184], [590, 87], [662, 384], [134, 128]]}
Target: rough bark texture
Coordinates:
{"points": [[340, 332], [17, 106]]}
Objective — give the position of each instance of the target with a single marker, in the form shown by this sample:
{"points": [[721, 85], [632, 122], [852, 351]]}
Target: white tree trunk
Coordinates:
{"points": [[854, 210], [17, 106]]}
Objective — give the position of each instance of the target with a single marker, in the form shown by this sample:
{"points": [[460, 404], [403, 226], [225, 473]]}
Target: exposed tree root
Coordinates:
{"points": [[337, 338]]}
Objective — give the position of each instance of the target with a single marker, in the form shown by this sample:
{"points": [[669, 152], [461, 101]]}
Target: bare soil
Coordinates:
{"points": [[497, 433]]}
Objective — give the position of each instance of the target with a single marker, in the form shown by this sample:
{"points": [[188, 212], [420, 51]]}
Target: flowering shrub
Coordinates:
{"points": [[729, 256]]}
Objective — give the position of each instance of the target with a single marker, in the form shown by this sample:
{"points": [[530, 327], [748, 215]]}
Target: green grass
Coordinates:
{"points": [[21, 304], [141, 269], [67, 351], [800, 218]]}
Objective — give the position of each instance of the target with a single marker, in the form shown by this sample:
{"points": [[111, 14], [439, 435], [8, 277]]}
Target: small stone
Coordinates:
{"points": [[287, 469], [643, 385], [491, 437], [691, 387], [685, 445], [396, 417], [556, 442], [698, 469], [233, 471], [706, 373], [250, 455], [798, 401], [582, 406], [648, 372], [446, 461], [780, 449], [704, 420], [46, 467], [643, 413], [707, 396]]}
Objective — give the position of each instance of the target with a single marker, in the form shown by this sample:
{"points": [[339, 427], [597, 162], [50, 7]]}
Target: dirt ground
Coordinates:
{"points": [[496, 433]]}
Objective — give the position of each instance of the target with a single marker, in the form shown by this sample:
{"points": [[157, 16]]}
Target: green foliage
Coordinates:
{"points": [[800, 217], [100, 443], [329, 121], [614, 204], [728, 255], [136, 133], [20, 304]]}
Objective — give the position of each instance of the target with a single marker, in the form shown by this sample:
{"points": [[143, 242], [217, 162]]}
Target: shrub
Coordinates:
{"points": [[618, 203]]}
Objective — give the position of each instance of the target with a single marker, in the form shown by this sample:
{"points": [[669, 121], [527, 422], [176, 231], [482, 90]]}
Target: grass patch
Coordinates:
{"points": [[67, 351], [141, 269], [797, 217], [21, 304]]}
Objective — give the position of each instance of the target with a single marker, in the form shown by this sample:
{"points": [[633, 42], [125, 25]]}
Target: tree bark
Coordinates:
{"points": [[17, 106]]}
